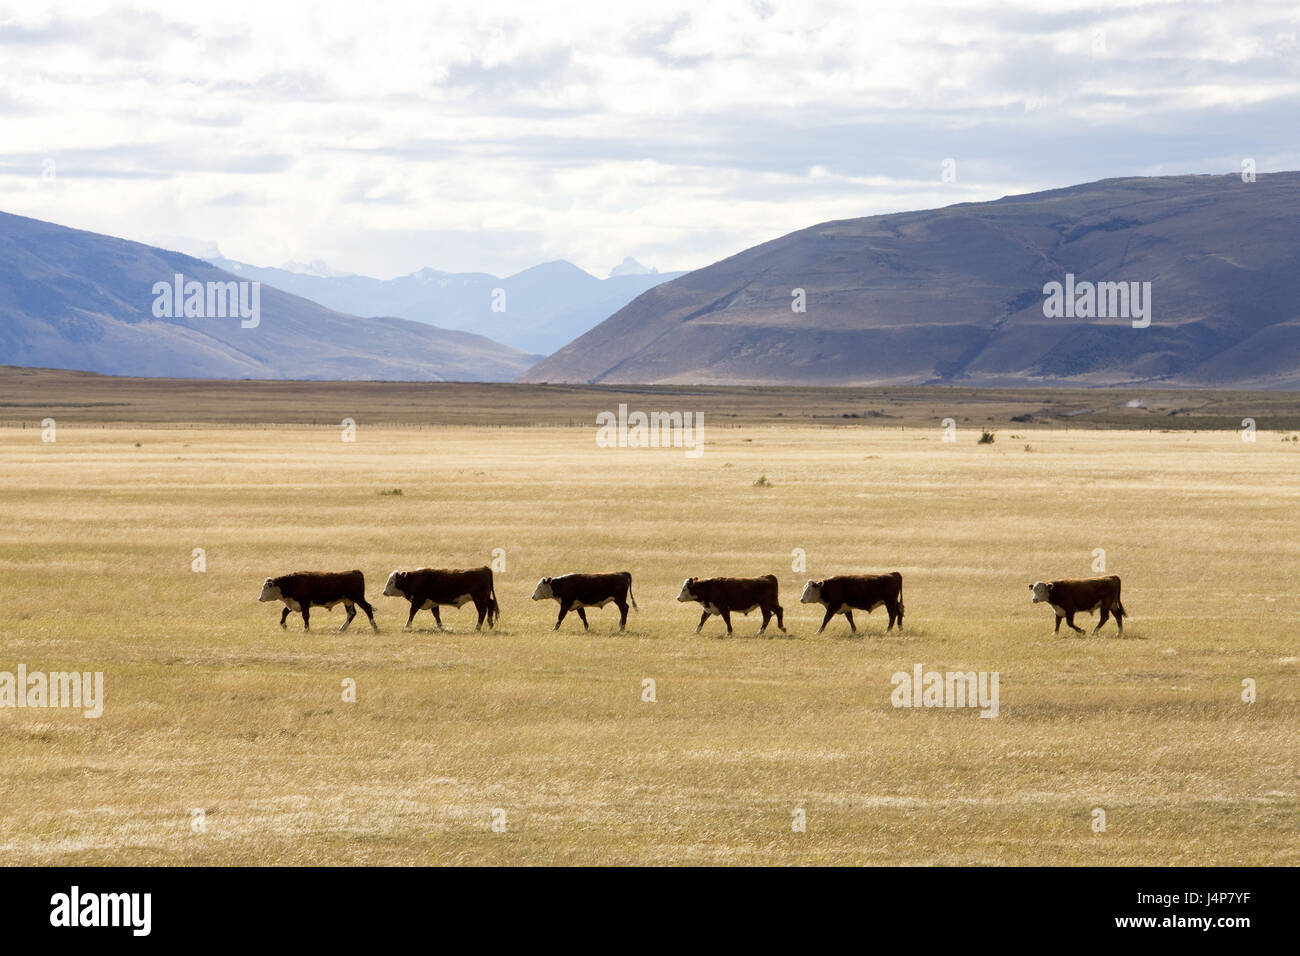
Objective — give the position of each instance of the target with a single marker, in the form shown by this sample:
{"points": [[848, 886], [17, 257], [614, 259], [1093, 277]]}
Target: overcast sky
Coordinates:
{"points": [[382, 138]]}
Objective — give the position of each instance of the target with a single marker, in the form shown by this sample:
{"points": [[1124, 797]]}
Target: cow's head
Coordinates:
{"points": [[543, 590], [812, 593], [1042, 592], [270, 590], [396, 585], [688, 591]]}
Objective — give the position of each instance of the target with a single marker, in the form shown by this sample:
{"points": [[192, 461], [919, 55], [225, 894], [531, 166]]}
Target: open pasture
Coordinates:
{"points": [[211, 706]]}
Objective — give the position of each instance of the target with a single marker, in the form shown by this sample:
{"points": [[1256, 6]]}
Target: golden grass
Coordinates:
{"points": [[210, 705]]}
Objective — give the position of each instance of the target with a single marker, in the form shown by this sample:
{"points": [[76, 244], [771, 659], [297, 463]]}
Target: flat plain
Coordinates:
{"points": [[211, 706]]}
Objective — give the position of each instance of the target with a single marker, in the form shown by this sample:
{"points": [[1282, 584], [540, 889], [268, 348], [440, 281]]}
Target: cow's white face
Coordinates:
{"points": [[1041, 595], [269, 591], [543, 590], [812, 593], [391, 589], [687, 594]]}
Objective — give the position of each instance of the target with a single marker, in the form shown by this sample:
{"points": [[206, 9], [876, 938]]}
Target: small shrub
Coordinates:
{"points": [[762, 482], [392, 493], [986, 437]]}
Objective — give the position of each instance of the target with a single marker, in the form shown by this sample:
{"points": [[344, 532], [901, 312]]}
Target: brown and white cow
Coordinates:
{"points": [[1069, 597], [578, 591], [431, 588], [846, 593], [721, 596], [305, 589]]}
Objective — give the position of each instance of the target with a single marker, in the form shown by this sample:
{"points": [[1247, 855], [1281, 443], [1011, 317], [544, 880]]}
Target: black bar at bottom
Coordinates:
{"points": [[949, 907]]}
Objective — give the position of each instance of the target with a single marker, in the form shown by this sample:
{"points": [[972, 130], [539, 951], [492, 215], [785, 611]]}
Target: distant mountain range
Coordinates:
{"points": [[956, 296], [537, 310], [78, 300], [946, 296]]}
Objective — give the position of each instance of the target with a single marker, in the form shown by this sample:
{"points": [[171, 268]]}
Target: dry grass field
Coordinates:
{"points": [[210, 705]]}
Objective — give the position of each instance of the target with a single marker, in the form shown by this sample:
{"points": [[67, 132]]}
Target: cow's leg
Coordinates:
{"points": [[583, 617], [306, 616], [826, 620], [622, 614], [726, 618], [284, 616], [1102, 618], [893, 613], [848, 616], [370, 613], [482, 609], [1069, 619], [564, 609], [437, 617], [352, 612], [767, 616], [415, 606], [1057, 629], [1119, 618], [703, 617], [780, 618]]}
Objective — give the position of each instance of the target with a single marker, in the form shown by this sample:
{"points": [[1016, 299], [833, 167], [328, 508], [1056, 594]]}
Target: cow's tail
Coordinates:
{"points": [[494, 606], [901, 609], [629, 592]]}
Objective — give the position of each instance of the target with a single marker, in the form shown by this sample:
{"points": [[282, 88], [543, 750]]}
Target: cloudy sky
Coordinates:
{"points": [[382, 138]]}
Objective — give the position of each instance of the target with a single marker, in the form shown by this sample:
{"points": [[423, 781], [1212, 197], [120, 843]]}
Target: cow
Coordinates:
{"points": [[431, 588], [1071, 596], [847, 593], [721, 596], [303, 589], [578, 591]]}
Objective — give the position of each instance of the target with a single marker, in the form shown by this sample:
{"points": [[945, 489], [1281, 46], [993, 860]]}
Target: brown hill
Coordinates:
{"points": [[955, 295]]}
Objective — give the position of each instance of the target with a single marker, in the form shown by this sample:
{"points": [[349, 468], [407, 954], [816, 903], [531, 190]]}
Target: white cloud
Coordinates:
{"points": [[385, 137]]}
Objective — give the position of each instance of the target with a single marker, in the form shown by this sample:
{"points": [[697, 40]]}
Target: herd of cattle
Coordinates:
{"points": [[428, 589]]}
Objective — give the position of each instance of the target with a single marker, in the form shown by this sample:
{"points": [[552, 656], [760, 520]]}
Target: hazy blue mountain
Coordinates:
{"points": [[78, 300], [955, 295], [546, 306], [630, 267]]}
